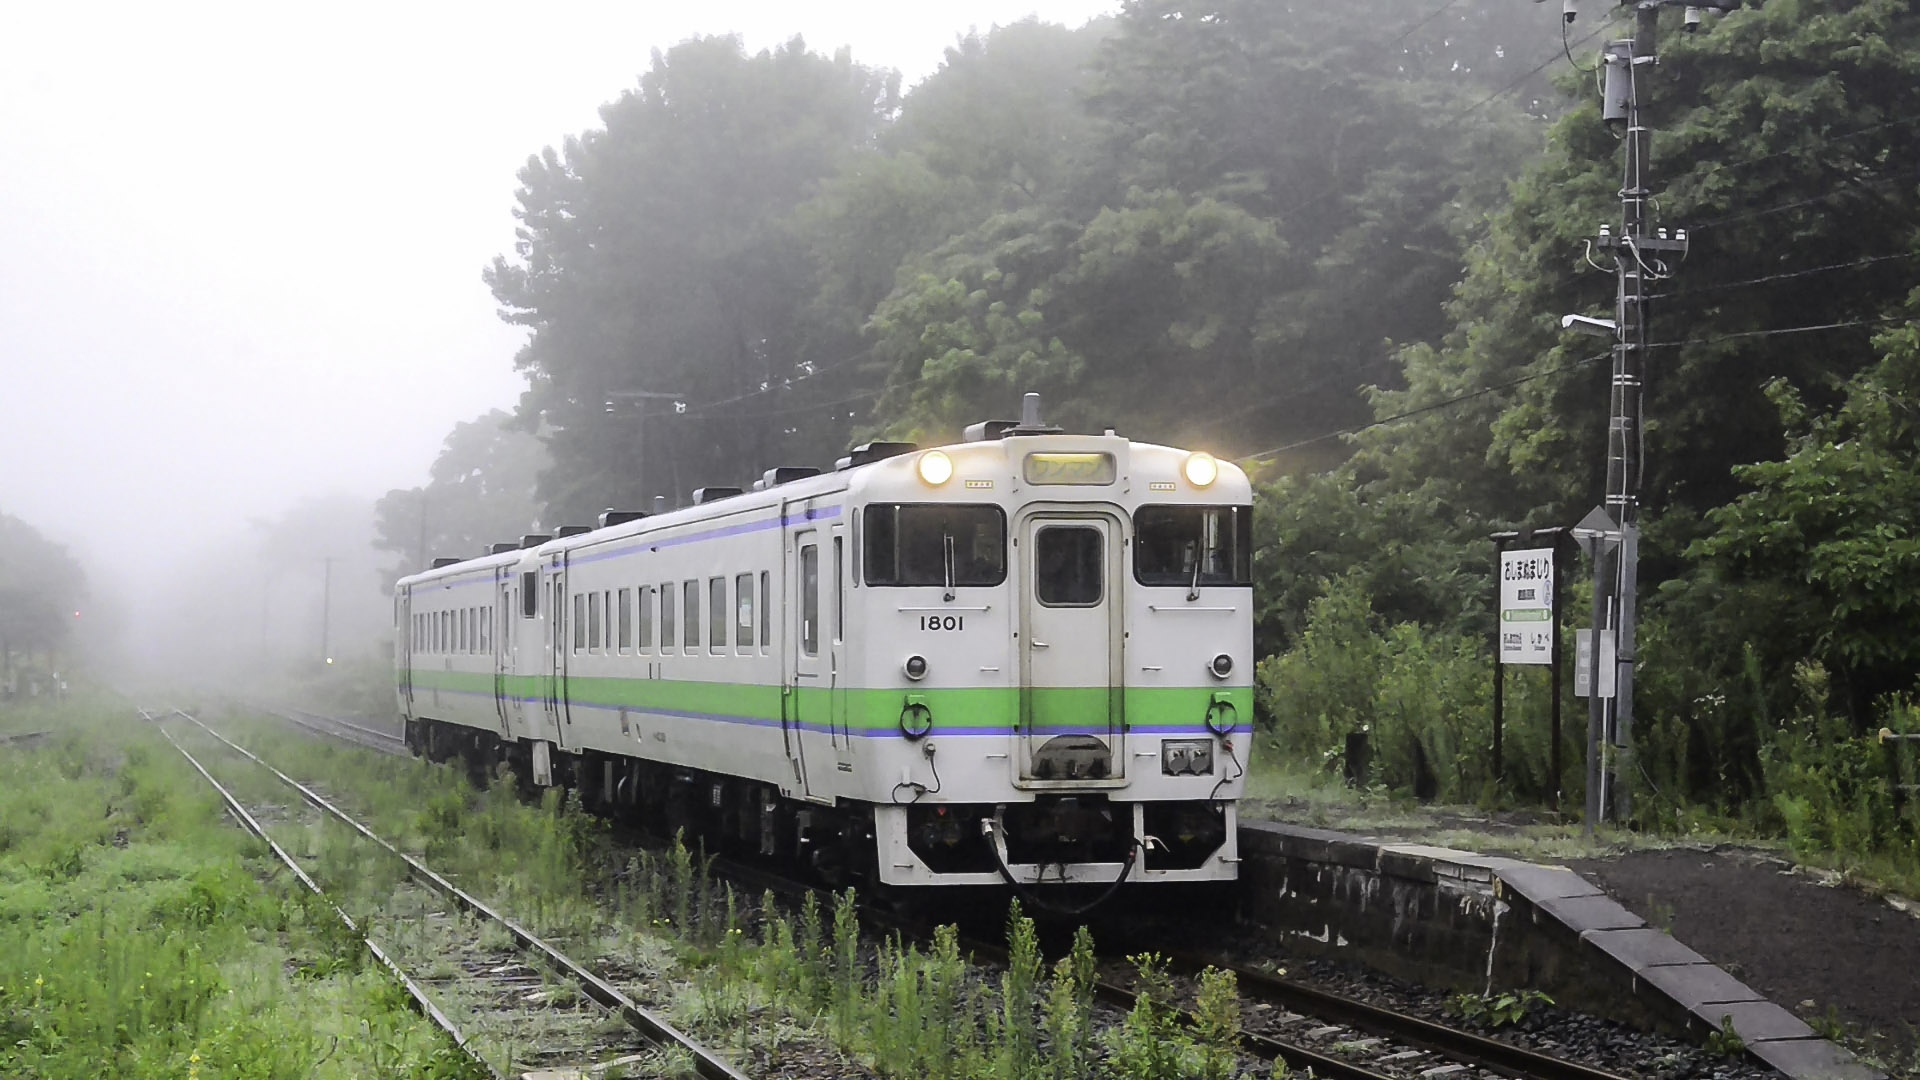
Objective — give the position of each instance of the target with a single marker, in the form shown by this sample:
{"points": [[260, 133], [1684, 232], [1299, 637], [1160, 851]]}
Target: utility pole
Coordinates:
{"points": [[326, 611], [639, 398], [1611, 534]]}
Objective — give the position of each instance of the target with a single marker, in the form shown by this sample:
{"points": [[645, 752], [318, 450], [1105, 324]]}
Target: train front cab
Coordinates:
{"points": [[1127, 622]]}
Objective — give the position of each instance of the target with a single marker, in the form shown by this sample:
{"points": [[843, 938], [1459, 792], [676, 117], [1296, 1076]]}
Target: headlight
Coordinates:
{"points": [[936, 467], [1222, 666], [916, 667], [1202, 469]]}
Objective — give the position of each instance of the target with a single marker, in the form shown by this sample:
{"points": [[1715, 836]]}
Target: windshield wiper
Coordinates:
{"points": [[946, 561], [1199, 554]]}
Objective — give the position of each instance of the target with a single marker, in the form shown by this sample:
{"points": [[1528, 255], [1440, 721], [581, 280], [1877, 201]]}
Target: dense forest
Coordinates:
{"points": [[1333, 241]]}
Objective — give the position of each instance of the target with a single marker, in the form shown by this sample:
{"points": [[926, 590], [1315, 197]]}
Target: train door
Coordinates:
{"points": [[833, 611], [404, 634], [554, 692], [801, 700], [501, 629], [1072, 725]]}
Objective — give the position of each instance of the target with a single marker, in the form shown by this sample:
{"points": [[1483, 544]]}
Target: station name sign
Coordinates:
{"points": [[1526, 606]]}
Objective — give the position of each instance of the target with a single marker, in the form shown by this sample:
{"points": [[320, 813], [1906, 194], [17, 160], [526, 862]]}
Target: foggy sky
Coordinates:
{"points": [[243, 243]]}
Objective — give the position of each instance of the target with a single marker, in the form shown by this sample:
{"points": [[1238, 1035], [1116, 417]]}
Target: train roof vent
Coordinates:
{"points": [[868, 453], [787, 474], [660, 504], [619, 517], [503, 547], [534, 540], [704, 495], [565, 531], [989, 430], [446, 560]]}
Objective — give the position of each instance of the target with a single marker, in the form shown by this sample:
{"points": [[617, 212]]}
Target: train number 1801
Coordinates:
{"points": [[943, 622]]}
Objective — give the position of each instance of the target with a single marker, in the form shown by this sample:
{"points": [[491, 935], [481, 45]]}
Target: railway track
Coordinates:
{"points": [[422, 1002], [345, 731], [1303, 1026], [656, 1030]]}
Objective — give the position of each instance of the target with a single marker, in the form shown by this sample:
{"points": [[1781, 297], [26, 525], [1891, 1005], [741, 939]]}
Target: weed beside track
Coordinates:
{"points": [[142, 935]]}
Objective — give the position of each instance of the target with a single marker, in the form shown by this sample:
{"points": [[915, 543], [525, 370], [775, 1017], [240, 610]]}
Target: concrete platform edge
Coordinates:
{"points": [[1476, 923]]}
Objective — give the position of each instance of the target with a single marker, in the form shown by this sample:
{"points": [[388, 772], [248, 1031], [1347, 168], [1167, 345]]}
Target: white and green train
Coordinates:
{"points": [[1025, 658]]}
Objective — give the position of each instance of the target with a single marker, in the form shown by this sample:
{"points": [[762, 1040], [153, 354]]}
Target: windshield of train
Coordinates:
{"points": [[1171, 543], [935, 544]]}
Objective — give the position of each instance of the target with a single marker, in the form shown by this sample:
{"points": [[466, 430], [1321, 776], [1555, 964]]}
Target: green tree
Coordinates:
{"points": [[1829, 537], [483, 488], [655, 255], [42, 592], [1260, 210]]}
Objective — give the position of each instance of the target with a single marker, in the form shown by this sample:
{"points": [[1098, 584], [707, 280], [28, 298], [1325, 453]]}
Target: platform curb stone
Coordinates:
{"points": [[1620, 939], [1704, 989]]}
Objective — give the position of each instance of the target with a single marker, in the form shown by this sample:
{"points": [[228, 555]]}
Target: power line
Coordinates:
{"points": [[1777, 333], [1537, 69], [795, 410], [1825, 140], [1482, 392], [1809, 272], [1852, 186], [1408, 32]]}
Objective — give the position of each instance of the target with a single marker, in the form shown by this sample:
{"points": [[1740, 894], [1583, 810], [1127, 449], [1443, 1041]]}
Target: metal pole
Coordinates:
{"points": [[1499, 669], [1553, 677], [326, 610], [1596, 704]]}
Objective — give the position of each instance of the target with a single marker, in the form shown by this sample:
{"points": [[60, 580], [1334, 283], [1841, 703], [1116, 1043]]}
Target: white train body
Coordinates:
{"points": [[1037, 669]]}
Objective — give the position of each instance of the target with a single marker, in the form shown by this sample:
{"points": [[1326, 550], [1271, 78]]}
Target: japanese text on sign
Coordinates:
{"points": [[1526, 606]]}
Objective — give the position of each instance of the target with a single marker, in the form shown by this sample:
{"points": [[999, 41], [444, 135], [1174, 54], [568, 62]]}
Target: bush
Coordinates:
{"points": [[1422, 696]]}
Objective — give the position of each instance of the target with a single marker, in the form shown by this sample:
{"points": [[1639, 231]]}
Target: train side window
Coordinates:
{"points": [[810, 600], [766, 611], [463, 631], [486, 624], [593, 622], [743, 611], [579, 621], [606, 612], [644, 594], [666, 616], [717, 613], [626, 620], [690, 616], [529, 595], [839, 589]]}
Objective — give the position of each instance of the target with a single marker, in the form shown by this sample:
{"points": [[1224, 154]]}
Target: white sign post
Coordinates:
{"points": [[1526, 606]]}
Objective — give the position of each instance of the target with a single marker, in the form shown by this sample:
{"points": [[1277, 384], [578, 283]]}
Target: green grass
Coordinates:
{"points": [[142, 934]]}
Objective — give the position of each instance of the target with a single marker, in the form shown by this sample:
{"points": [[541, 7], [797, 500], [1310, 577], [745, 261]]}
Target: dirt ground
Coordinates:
{"points": [[1784, 934]]}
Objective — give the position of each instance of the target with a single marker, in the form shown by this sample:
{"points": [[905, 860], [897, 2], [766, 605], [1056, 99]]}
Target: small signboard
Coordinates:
{"points": [[1526, 606], [1583, 663]]}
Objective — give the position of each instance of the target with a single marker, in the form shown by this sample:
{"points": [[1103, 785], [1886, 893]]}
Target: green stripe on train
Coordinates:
{"points": [[866, 709]]}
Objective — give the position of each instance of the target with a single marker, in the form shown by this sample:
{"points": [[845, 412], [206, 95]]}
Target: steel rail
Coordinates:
{"points": [[377, 741], [653, 1027], [422, 1003], [1463, 1047], [1466, 1047]]}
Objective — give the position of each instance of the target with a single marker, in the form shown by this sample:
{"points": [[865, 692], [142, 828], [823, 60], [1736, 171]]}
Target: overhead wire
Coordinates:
{"points": [[1787, 276], [1716, 339], [1397, 417], [1852, 186]]}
